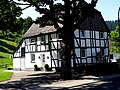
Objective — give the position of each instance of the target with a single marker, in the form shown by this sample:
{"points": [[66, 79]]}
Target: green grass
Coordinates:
{"points": [[4, 75], [7, 47]]}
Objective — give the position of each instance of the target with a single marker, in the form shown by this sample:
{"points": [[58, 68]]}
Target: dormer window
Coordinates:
{"points": [[33, 40]]}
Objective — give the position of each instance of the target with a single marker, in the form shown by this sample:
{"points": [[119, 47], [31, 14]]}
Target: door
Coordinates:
{"points": [[42, 60], [22, 64]]}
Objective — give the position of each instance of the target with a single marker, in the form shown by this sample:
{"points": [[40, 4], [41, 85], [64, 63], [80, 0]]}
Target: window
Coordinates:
{"points": [[102, 51], [42, 38], [32, 40], [83, 54], [23, 52], [101, 35], [33, 58], [82, 34], [59, 36]]}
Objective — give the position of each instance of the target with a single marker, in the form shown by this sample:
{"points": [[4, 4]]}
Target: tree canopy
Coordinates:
{"points": [[115, 39], [9, 11]]}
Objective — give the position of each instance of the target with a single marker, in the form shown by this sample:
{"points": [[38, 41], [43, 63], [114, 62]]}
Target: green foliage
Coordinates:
{"points": [[4, 75], [118, 60], [6, 48], [9, 12], [114, 37]]}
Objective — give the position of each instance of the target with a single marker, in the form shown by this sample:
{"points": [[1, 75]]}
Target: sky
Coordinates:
{"points": [[108, 9]]}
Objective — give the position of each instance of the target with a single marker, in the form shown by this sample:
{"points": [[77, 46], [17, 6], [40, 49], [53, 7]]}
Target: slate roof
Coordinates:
{"points": [[35, 29]]}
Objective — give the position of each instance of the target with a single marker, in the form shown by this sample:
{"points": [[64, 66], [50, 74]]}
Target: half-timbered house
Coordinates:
{"points": [[42, 45]]}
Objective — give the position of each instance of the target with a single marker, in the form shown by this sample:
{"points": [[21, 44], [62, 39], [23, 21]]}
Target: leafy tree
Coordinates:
{"points": [[9, 11], [65, 17], [22, 25], [114, 37]]}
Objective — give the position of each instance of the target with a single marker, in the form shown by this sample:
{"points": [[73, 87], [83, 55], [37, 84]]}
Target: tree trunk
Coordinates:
{"points": [[66, 73], [67, 33]]}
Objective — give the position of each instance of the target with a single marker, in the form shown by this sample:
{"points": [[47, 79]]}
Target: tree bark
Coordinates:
{"points": [[67, 33]]}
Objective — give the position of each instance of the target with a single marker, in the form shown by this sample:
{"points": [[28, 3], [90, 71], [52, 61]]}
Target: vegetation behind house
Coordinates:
{"points": [[10, 40]]}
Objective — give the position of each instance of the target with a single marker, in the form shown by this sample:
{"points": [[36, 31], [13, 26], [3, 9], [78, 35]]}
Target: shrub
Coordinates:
{"points": [[118, 60], [46, 67]]}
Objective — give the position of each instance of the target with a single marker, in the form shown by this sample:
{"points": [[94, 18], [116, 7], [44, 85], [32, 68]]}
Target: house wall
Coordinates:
{"points": [[16, 64], [91, 42]]}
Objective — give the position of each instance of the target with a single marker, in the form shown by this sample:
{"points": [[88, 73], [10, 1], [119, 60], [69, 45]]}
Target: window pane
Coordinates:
{"points": [[32, 57], [42, 39], [101, 35], [82, 52]]}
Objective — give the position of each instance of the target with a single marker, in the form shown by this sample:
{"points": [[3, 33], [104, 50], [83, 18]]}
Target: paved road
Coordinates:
{"points": [[49, 81], [111, 84]]}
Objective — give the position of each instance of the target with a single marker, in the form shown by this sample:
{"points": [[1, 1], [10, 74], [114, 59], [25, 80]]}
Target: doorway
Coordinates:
{"points": [[42, 60]]}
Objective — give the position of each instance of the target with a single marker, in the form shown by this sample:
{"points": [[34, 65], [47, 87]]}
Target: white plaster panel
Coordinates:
{"points": [[77, 60], [76, 32], [88, 42], [77, 51], [88, 52], [38, 61], [76, 42], [16, 62], [102, 43], [97, 34], [105, 35], [82, 43], [83, 60], [42, 47], [54, 54], [23, 44], [87, 34], [97, 43], [98, 49], [53, 36], [93, 52]]}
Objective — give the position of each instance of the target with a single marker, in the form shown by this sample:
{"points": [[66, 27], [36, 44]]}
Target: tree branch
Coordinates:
{"points": [[26, 7], [20, 3]]}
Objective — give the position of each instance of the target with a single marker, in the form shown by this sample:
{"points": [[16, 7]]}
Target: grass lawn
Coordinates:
{"points": [[4, 75]]}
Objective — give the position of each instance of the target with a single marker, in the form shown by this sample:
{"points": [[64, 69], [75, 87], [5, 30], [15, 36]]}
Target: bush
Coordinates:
{"points": [[10, 67], [118, 60], [35, 67], [46, 66]]}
